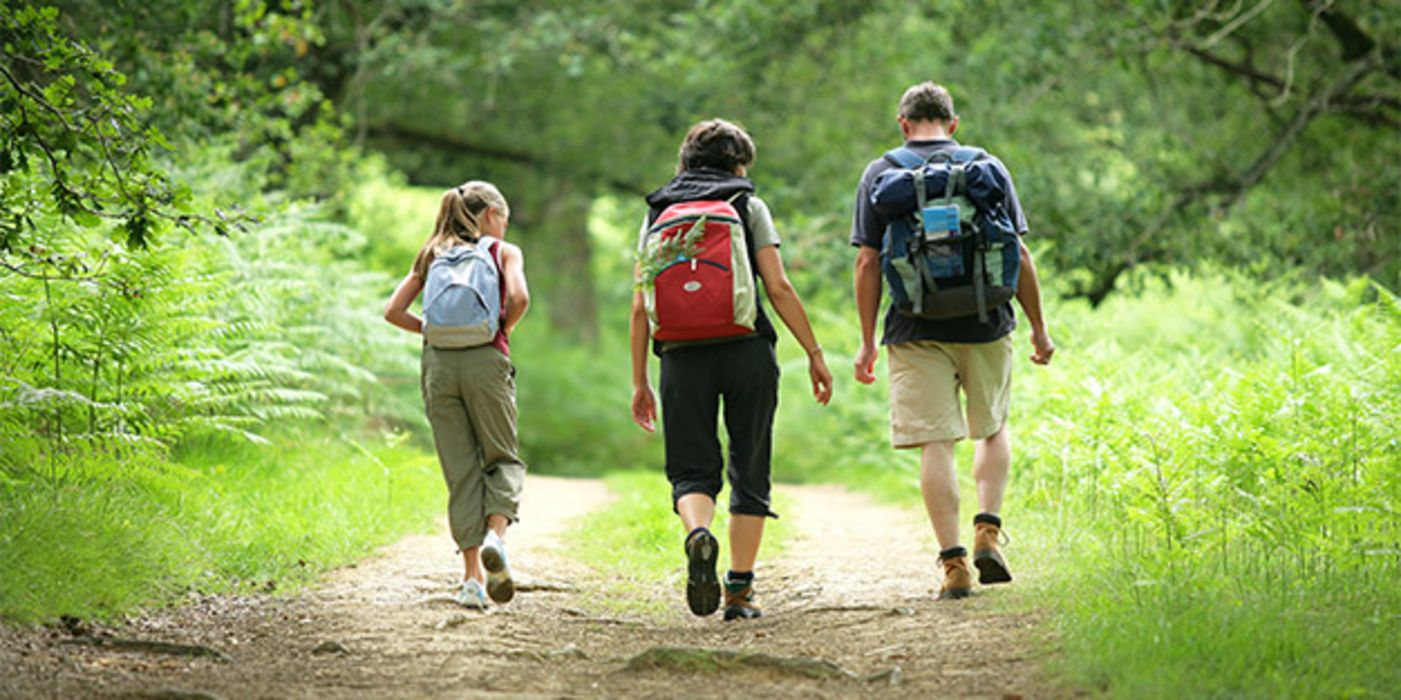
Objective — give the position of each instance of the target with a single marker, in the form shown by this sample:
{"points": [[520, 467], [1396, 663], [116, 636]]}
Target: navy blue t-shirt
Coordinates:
{"points": [[868, 229]]}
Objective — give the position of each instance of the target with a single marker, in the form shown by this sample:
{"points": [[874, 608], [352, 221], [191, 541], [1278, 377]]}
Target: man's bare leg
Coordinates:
{"points": [[938, 482], [992, 459]]}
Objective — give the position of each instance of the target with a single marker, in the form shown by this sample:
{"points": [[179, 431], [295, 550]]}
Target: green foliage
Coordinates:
{"points": [[124, 533], [1238, 473], [233, 77], [108, 113], [575, 416], [394, 218], [142, 348], [662, 251], [1210, 464], [73, 142], [130, 346], [129, 360], [125, 372], [298, 297], [1260, 136]]}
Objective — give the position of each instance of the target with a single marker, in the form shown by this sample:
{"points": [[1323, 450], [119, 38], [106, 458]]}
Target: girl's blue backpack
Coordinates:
{"points": [[950, 249], [462, 296]]}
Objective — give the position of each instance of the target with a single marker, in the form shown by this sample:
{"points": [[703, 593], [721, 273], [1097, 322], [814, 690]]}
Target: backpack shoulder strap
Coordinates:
{"points": [[741, 204], [494, 250], [740, 201], [959, 158], [966, 154], [904, 157]]}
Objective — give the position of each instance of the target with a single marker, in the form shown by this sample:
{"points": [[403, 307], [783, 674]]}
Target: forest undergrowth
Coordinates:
{"points": [[202, 213], [1206, 477], [224, 417]]}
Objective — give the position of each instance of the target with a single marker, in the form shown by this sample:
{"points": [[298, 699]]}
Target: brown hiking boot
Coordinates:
{"points": [[992, 568], [958, 577], [739, 601]]}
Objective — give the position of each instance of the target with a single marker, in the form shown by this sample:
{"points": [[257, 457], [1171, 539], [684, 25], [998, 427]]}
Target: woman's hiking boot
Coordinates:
{"points": [[739, 598], [702, 584], [958, 577], [987, 556]]}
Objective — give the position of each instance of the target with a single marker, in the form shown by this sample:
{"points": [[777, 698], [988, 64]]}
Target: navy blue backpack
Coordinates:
{"points": [[950, 249]]}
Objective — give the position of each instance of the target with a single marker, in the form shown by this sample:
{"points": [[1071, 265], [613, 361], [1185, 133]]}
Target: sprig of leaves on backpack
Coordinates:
{"points": [[661, 251]]}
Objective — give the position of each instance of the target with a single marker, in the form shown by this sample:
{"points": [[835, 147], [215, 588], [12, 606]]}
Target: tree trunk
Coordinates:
{"points": [[550, 202], [554, 233]]}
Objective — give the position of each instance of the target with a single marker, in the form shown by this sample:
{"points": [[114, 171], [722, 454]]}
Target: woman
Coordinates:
{"points": [[739, 366]]}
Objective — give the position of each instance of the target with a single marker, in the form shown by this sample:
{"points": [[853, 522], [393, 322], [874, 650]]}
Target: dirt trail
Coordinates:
{"points": [[848, 605]]}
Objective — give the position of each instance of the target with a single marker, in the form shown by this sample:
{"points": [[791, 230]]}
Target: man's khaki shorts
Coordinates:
{"points": [[925, 379]]}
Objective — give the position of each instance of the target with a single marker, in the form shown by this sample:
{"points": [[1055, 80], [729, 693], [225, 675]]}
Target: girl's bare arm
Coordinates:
{"points": [[517, 292], [396, 311]]}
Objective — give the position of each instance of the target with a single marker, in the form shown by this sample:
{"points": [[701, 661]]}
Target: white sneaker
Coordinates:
{"points": [[498, 574], [472, 595]]}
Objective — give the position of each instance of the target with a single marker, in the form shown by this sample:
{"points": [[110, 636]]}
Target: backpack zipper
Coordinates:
{"points": [[690, 218], [693, 262]]}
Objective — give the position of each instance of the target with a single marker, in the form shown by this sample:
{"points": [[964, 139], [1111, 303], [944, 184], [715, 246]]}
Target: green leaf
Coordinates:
{"points": [[86, 219], [137, 228]]}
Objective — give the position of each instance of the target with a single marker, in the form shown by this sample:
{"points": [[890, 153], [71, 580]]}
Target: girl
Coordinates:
{"points": [[740, 369], [470, 393]]}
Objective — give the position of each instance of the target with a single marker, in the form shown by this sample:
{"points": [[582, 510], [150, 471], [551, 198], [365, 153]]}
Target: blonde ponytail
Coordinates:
{"points": [[459, 220]]}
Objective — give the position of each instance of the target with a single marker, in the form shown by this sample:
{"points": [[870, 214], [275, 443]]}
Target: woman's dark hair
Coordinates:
{"points": [[717, 144]]}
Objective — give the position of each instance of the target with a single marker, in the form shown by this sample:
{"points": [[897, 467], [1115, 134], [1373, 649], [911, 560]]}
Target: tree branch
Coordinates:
{"points": [[1316, 105], [1351, 39], [1250, 72], [1369, 108], [1358, 110], [1237, 22], [23, 272], [1231, 189], [399, 132]]}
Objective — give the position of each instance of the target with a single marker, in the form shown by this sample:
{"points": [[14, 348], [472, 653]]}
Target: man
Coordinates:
{"points": [[931, 361]]}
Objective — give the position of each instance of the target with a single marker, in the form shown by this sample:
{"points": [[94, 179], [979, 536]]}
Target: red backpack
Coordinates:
{"points": [[697, 278]]}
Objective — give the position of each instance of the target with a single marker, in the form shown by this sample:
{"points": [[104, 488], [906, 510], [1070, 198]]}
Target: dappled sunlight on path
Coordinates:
{"points": [[848, 606]]}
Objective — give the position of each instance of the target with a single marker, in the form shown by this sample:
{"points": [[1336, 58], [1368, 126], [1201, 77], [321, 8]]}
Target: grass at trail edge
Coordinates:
{"points": [[114, 537], [1205, 481]]}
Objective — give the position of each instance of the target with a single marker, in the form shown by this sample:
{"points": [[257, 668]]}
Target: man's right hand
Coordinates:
{"points": [[866, 363], [1041, 346]]}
